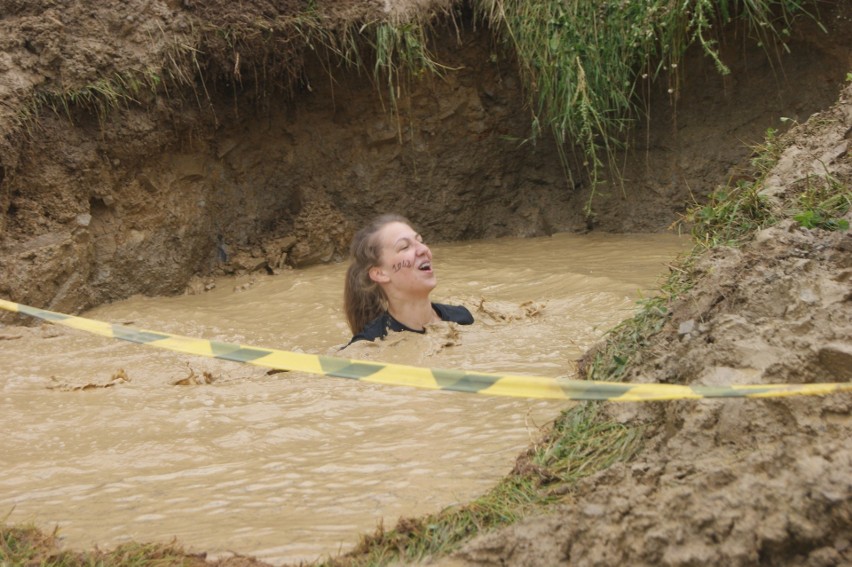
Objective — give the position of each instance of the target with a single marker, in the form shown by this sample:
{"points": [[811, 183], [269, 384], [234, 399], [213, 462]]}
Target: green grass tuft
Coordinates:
{"points": [[823, 203]]}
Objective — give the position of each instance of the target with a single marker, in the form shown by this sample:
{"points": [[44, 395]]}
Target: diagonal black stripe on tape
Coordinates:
{"points": [[579, 390], [342, 368], [41, 314], [136, 336], [463, 381], [229, 351]]}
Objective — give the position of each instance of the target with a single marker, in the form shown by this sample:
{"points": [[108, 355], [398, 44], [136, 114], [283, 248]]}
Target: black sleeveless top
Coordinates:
{"points": [[378, 328]]}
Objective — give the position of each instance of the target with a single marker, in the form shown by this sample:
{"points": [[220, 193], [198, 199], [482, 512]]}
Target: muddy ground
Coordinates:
{"points": [[223, 163]]}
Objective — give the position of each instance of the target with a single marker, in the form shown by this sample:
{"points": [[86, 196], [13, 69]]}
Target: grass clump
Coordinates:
{"points": [[269, 54], [734, 212], [730, 215], [26, 545], [101, 96], [401, 51], [823, 203]]}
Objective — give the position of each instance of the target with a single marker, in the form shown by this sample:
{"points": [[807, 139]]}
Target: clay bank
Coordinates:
{"points": [[149, 146], [144, 143]]}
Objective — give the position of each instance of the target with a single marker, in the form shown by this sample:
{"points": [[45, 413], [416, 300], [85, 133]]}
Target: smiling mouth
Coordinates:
{"points": [[425, 266]]}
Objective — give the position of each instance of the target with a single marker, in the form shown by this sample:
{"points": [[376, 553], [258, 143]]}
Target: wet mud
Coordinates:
{"points": [[165, 195]]}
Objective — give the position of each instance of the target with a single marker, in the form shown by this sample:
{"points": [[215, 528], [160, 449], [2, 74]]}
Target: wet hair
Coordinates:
{"points": [[364, 299]]}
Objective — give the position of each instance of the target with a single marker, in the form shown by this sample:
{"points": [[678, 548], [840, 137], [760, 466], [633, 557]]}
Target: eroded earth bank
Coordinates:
{"points": [[144, 143]]}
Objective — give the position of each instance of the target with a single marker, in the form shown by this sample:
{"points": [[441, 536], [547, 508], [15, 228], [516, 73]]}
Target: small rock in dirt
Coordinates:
{"points": [[50, 331], [244, 286], [247, 261], [836, 358], [594, 510]]}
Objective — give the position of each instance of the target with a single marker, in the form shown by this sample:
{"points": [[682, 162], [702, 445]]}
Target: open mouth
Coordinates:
{"points": [[425, 266]]}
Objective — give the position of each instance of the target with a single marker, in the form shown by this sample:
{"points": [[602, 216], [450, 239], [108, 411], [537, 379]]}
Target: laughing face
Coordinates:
{"points": [[406, 262]]}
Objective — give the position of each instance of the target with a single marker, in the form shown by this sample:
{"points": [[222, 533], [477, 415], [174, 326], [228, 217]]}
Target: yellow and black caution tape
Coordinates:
{"points": [[431, 378]]}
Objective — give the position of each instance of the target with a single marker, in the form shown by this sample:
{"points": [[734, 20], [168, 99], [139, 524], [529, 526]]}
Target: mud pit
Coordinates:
{"points": [[242, 175], [290, 467]]}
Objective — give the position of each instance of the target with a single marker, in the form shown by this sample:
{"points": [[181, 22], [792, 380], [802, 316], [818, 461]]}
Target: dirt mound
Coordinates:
{"points": [[736, 482]]}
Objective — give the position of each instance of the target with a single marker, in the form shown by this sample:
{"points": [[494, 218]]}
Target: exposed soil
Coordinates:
{"points": [[258, 153], [270, 163]]}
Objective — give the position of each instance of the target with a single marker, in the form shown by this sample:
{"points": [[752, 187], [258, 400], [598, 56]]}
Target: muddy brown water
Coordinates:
{"points": [[288, 466]]}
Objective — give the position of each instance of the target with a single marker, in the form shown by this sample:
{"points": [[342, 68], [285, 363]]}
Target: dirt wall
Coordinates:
{"points": [[231, 176]]}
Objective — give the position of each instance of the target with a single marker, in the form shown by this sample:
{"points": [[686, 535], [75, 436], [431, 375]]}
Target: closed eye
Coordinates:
{"points": [[405, 243]]}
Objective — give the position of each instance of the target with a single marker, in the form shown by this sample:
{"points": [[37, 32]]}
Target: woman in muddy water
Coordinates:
{"points": [[389, 280]]}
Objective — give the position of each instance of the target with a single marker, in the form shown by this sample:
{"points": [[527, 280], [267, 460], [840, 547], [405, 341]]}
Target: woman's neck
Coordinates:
{"points": [[414, 314]]}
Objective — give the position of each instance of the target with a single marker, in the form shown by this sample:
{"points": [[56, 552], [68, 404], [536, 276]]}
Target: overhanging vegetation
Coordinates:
{"points": [[587, 65]]}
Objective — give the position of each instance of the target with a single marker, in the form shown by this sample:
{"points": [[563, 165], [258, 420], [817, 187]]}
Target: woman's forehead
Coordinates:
{"points": [[392, 232]]}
